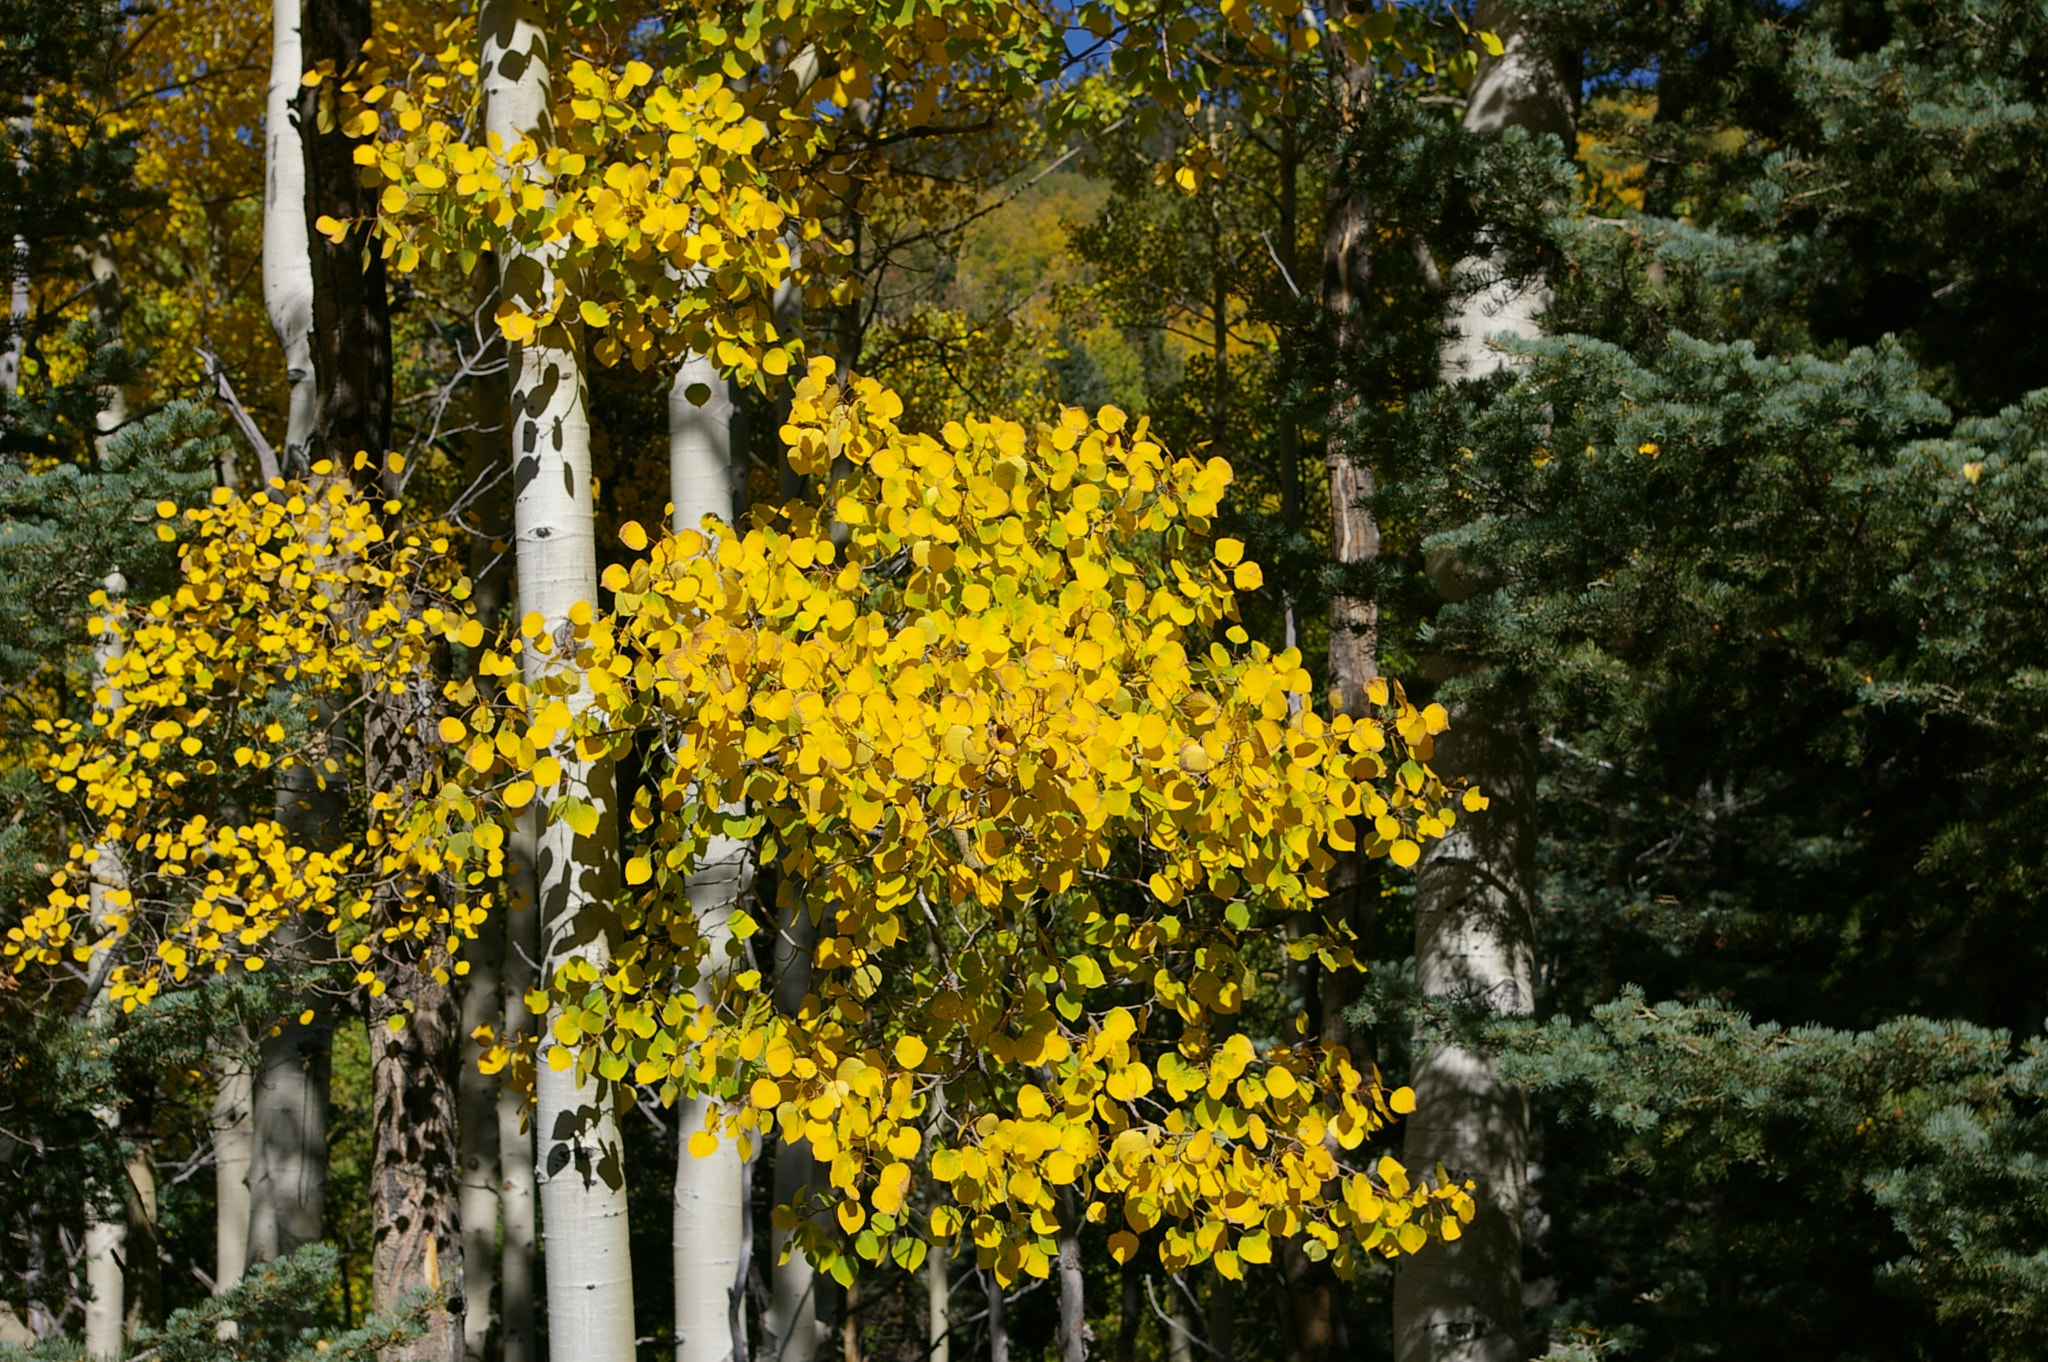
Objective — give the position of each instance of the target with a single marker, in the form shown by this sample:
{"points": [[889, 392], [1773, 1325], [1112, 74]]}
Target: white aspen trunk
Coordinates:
{"points": [[517, 1337], [106, 287], [476, 1127], [106, 1235], [581, 1164], [710, 1193], [701, 456], [287, 258], [938, 1299], [17, 287], [1475, 892], [1521, 88], [288, 1115], [234, 1143], [998, 1327], [1180, 1330]]}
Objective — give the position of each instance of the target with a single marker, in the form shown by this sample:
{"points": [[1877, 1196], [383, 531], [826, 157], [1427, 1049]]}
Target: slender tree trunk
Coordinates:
{"points": [[141, 1250], [517, 1333], [710, 1193], [1462, 1302], [1475, 892], [287, 259], [793, 1313], [1074, 1334], [288, 1106], [1180, 1335], [415, 1046], [483, 1004], [1223, 1318], [234, 1143], [477, 1129], [16, 340], [705, 463], [106, 306], [288, 1091], [1130, 1311], [414, 1041], [1354, 535], [1288, 439], [106, 1235], [582, 1172], [998, 1327], [351, 331], [938, 1304]]}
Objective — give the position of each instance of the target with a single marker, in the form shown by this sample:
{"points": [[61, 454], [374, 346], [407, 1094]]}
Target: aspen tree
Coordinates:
{"points": [[286, 1107], [287, 260], [581, 1172], [517, 1333], [710, 1191], [106, 1235], [1475, 892]]}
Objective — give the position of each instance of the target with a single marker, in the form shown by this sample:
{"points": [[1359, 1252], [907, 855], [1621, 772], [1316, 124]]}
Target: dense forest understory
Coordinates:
{"points": [[981, 681]]}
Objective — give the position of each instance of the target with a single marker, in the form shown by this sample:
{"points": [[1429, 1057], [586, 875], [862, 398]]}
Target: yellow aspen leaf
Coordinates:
{"points": [[519, 794], [1402, 1100], [633, 536], [1123, 1246], [765, 1093], [452, 730], [1411, 1237], [703, 1144], [910, 1051], [639, 870], [1404, 853]]}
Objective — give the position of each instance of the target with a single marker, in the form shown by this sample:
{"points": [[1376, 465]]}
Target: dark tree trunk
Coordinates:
{"points": [[1354, 535], [415, 1048], [351, 307]]}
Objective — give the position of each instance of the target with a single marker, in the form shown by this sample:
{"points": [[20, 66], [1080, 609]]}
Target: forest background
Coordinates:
{"points": [[1656, 388]]}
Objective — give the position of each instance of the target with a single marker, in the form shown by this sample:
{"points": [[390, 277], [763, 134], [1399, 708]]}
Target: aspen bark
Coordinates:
{"points": [[938, 1305], [581, 1168], [710, 1192], [234, 1143], [288, 1095], [18, 300], [1475, 891], [793, 1318], [287, 260], [288, 1119], [1074, 1334], [106, 1235], [517, 1331], [998, 1327]]}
